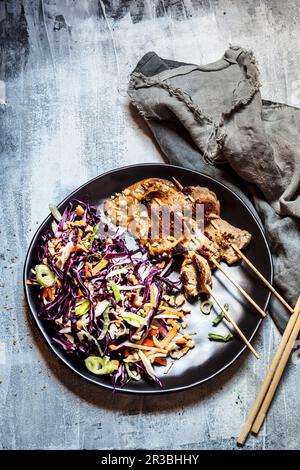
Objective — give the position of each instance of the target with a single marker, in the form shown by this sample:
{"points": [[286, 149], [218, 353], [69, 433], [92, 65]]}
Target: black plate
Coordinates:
{"points": [[207, 359]]}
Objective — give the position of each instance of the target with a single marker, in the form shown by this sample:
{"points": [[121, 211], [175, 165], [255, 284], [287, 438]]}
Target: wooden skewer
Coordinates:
{"points": [[247, 296], [279, 371], [232, 322], [292, 326], [213, 295], [262, 278], [244, 257]]}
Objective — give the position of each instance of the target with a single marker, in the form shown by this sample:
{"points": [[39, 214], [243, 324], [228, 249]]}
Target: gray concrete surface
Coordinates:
{"points": [[64, 118]]}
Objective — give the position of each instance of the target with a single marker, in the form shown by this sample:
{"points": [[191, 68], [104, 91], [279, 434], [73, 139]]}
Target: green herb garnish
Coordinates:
{"points": [[220, 338], [82, 307], [44, 275], [106, 323], [101, 365], [206, 307], [116, 292], [220, 317]]}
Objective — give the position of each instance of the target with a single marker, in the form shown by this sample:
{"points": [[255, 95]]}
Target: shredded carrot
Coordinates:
{"points": [[99, 266], [88, 268], [161, 360], [148, 342], [78, 248], [48, 293], [152, 295], [171, 311], [168, 338], [126, 353], [153, 332]]}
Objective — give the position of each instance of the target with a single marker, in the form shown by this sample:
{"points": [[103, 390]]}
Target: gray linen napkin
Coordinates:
{"points": [[211, 118]]}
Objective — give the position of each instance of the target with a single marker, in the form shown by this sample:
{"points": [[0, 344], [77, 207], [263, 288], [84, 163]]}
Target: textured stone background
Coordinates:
{"points": [[64, 118]]}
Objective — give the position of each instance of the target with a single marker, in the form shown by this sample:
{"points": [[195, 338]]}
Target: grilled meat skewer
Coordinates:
{"points": [[226, 234]]}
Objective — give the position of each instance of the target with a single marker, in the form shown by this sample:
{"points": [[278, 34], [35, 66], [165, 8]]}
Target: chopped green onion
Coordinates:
{"points": [[89, 241], [100, 307], [55, 212], [206, 307], [82, 307], [220, 317], [54, 227], [101, 365], [133, 374], [221, 338], [134, 319], [116, 292], [44, 275], [106, 323]]}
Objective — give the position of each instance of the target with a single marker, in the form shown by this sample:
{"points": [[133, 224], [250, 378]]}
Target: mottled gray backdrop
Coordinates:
{"points": [[64, 118]]}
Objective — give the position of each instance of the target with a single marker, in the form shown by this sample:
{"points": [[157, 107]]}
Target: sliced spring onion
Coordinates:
{"points": [[220, 317], [106, 324], [116, 292], [55, 212], [82, 307], [92, 237], [221, 338], [44, 275], [101, 365], [54, 227], [206, 307], [100, 307], [134, 319], [133, 374]]}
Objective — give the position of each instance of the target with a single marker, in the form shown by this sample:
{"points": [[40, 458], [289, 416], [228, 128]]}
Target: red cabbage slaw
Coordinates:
{"points": [[112, 307]]}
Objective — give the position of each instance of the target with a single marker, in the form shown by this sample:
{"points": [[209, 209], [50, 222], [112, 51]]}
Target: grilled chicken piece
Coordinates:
{"points": [[206, 197], [195, 274], [227, 233], [225, 236], [160, 196]]}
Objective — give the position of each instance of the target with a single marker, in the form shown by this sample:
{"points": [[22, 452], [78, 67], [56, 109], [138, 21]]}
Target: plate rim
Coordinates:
{"points": [[109, 386]]}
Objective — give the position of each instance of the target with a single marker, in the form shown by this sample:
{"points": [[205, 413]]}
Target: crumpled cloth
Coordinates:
{"points": [[212, 118]]}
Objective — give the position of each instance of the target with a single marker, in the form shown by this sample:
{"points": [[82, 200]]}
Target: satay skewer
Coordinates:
{"points": [[244, 257], [227, 315]]}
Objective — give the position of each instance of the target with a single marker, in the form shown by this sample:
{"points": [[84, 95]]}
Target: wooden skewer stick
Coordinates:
{"points": [[247, 296], [244, 257], [232, 322], [213, 295], [269, 377], [262, 278], [279, 371]]}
